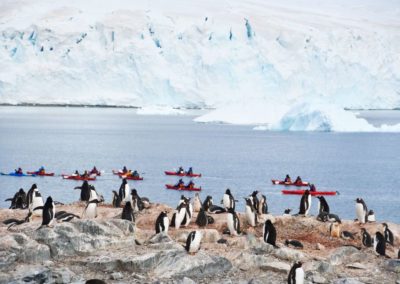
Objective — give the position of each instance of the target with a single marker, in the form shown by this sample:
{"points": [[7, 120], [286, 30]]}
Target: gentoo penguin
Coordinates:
{"points": [[294, 243], [269, 233], [305, 203], [322, 205], [347, 235], [334, 230], [137, 203], [371, 216], [361, 210], [93, 193], [91, 209], [389, 238], [193, 242], [124, 191], [228, 200], [18, 201], [202, 219], [13, 222], [49, 211], [64, 216], [233, 222], [29, 196], [211, 208], [127, 212], [254, 199], [251, 213], [380, 244], [189, 212], [85, 191], [328, 217], [296, 274], [197, 203], [37, 202], [116, 202], [180, 215], [287, 212], [366, 238], [262, 205], [162, 223]]}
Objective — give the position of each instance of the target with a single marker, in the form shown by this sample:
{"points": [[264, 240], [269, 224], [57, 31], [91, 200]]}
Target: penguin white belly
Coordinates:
{"points": [[91, 211], [250, 217], [360, 212], [166, 224], [36, 202], [309, 205], [196, 205], [231, 224], [179, 217], [195, 244], [127, 193], [299, 275], [93, 195], [52, 217], [226, 201], [371, 218]]}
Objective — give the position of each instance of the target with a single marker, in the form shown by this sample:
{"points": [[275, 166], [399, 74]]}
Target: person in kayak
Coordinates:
{"points": [[19, 171], [190, 171], [190, 185], [288, 179], [312, 187], [41, 170], [76, 173], [298, 180], [180, 183], [135, 174], [85, 174], [180, 170], [124, 170], [94, 170]]}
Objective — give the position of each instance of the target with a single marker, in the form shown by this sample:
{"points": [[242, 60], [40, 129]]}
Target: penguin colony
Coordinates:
{"points": [[255, 207]]}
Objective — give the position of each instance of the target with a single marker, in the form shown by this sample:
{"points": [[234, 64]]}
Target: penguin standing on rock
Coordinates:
{"points": [[389, 238], [228, 200], [366, 238], [254, 199], [193, 242], [124, 191], [127, 212], [162, 223], [380, 244], [262, 205], [209, 206], [49, 210], [305, 203], [180, 215], [296, 274], [322, 205], [202, 219], [116, 202], [251, 213], [18, 201], [269, 233], [361, 210], [233, 222], [90, 211], [85, 191]]}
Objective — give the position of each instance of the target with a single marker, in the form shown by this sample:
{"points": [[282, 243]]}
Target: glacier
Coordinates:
{"points": [[253, 61]]}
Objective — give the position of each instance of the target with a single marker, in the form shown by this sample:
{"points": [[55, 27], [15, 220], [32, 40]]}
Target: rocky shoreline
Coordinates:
{"points": [[119, 251]]}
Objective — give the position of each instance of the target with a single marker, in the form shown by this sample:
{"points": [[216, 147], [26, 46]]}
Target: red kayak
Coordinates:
{"points": [[131, 177], [77, 177], [274, 181], [119, 172], [97, 173], [181, 174], [171, 186], [313, 193], [40, 174]]}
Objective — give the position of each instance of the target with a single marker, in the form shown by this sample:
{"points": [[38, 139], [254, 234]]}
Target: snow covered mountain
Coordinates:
{"points": [[254, 60]]}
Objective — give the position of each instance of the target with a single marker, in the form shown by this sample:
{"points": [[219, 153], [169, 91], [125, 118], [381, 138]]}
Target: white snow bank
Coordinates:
{"points": [[159, 110]]}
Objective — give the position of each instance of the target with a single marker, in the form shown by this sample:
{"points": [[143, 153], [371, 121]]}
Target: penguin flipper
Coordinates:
{"points": [[38, 208]]}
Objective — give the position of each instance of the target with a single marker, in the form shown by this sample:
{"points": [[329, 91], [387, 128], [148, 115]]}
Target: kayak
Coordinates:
{"points": [[98, 173], [41, 174], [119, 172], [18, 175], [77, 177], [274, 181], [182, 174], [313, 193], [171, 186], [130, 177]]}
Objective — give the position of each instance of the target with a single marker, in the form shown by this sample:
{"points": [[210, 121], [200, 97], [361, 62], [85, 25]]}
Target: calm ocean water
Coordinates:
{"points": [[65, 139]]}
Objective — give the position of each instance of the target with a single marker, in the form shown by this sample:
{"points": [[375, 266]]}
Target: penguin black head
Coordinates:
{"points": [[248, 201], [21, 191], [134, 192], [287, 211], [34, 186], [385, 225], [228, 191], [124, 181], [268, 222], [371, 212], [49, 201], [255, 192], [128, 205]]}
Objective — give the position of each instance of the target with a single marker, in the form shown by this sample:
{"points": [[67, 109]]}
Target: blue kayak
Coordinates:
{"points": [[17, 175]]}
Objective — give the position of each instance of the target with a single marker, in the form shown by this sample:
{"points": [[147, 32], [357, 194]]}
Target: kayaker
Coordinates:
{"points": [[41, 170], [19, 171], [76, 173], [190, 171], [190, 185], [298, 180], [288, 179], [135, 174], [124, 170], [85, 174], [180, 170], [312, 187], [180, 183], [94, 170]]}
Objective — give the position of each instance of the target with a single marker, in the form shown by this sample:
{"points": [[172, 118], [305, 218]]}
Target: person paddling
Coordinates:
{"points": [[135, 174], [288, 179], [124, 170], [180, 170], [312, 187], [298, 180], [19, 171], [190, 185], [180, 183], [190, 171]]}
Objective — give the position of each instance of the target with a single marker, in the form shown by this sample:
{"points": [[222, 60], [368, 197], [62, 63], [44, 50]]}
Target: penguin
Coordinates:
{"points": [[366, 238], [49, 210], [287, 212], [380, 244], [294, 243], [180, 215], [251, 213], [269, 233], [233, 222], [202, 220], [389, 238], [90, 211], [296, 274], [85, 191], [14, 222], [262, 205], [193, 242], [162, 223], [211, 208], [228, 201], [305, 203], [124, 192], [197, 203], [93, 194], [254, 199], [322, 205], [18, 201], [29, 195], [371, 216], [127, 212], [189, 212], [334, 230], [347, 235], [37, 202], [116, 202], [137, 203], [64, 216], [328, 217], [361, 210]]}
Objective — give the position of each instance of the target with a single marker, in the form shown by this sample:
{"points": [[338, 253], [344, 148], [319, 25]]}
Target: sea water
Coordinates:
{"points": [[65, 139]]}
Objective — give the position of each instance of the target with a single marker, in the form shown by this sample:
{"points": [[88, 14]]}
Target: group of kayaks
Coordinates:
{"points": [[180, 185], [298, 182]]}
